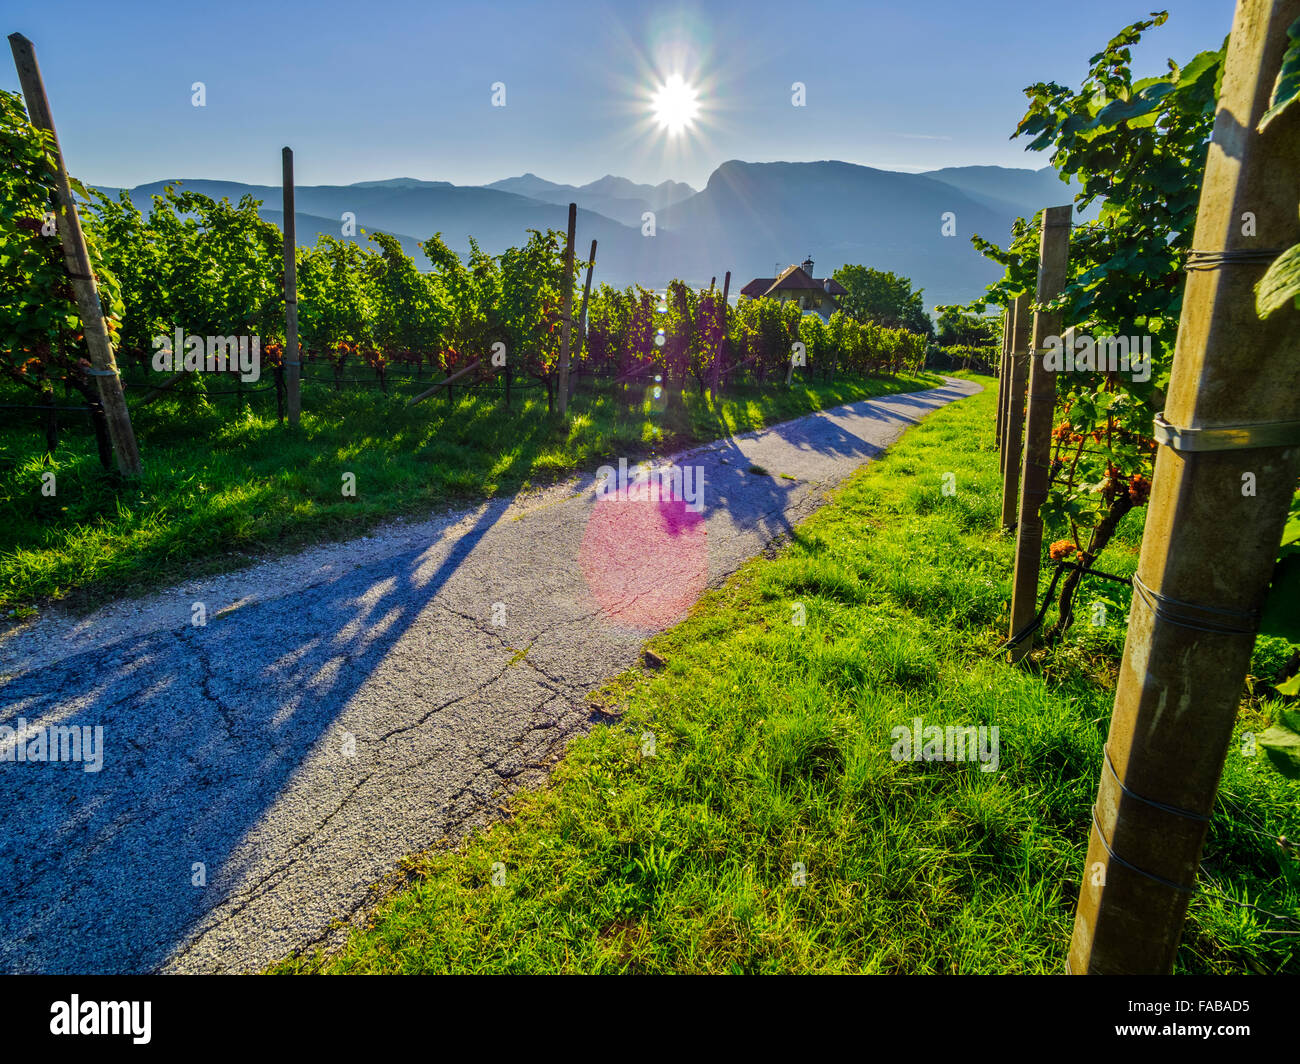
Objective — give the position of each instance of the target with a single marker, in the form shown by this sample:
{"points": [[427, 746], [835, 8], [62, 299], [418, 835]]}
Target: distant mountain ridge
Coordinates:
{"points": [[1002, 188], [749, 218], [400, 182], [615, 197]]}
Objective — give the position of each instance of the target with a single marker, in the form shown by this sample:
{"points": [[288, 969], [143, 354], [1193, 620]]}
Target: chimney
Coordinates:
{"points": [[826, 284], [808, 265]]}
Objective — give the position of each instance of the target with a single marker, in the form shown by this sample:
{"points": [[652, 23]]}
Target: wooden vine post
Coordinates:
{"points": [[447, 382], [1226, 468], [103, 365], [1018, 376], [292, 356], [716, 371], [1053, 258], [582, 313], [566, 322]]}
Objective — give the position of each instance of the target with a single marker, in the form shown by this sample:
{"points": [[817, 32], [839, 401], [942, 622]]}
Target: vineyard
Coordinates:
{"points": [[367, 314], [477, 343], [492, 327]]}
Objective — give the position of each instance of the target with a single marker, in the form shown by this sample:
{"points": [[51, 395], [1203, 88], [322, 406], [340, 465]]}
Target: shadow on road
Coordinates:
{"points": [[204, 728]]}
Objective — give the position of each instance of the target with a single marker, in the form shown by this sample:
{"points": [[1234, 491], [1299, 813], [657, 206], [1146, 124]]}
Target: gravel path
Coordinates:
{"points": [[347, 706]]}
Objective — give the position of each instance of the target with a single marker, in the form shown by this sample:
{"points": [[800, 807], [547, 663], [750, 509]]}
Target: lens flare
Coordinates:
{"points": [[675, 105]]}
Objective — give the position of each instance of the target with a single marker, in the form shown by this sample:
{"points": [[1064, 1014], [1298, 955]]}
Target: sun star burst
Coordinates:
{"points": [[675, 105]]}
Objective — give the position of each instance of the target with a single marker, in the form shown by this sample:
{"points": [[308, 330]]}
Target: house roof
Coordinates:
{"points": [[792, 278]]}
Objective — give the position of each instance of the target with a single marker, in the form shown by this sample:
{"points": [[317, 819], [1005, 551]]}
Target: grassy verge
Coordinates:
{"points": [[221, 485], [771, 756]]}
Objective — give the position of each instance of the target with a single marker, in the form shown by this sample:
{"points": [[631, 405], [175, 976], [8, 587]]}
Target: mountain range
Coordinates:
{"points": [[750, 218], [614, 197]]}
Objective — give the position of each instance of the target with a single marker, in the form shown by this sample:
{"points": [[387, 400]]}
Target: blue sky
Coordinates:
{"points": [[390, 89]]}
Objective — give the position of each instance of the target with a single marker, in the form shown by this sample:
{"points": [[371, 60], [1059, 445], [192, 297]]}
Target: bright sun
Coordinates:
{"points": [[675, 104]]}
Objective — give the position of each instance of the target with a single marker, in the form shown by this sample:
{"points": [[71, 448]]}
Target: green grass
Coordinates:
{"points": [[772, 749], [221, 486]]}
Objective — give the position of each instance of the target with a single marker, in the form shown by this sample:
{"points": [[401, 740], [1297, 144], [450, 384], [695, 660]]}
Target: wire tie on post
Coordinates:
{"points": [[1198, 618], [1213, 260], [1132, 867], [93, 372], [1173, 810]]}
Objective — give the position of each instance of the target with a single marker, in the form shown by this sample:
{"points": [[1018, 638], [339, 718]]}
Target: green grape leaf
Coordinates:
{"points": [[1280, 285], [1287, 85], [1282, 746]]}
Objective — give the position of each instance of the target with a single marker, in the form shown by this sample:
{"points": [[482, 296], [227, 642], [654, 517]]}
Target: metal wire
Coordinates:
{"points": [[1037, 619], [25, 406]]}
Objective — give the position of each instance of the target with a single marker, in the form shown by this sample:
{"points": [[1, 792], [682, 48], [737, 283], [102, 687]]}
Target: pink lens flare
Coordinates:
{"points": [[645, 560]]}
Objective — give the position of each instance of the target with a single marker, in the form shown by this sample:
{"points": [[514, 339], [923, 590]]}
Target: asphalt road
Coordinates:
{"points": [[348, 706]]}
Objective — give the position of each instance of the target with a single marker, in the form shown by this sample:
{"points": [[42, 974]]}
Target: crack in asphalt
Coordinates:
{"points": [[199, 654], [233, 905], [415, 724], [265, 775]]}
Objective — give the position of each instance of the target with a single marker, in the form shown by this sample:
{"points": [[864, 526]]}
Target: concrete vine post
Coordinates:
{"points": [[1000, 434]]}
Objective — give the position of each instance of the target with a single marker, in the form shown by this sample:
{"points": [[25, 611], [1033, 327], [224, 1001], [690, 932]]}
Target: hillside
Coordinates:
{"points": [[750, 218]]}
